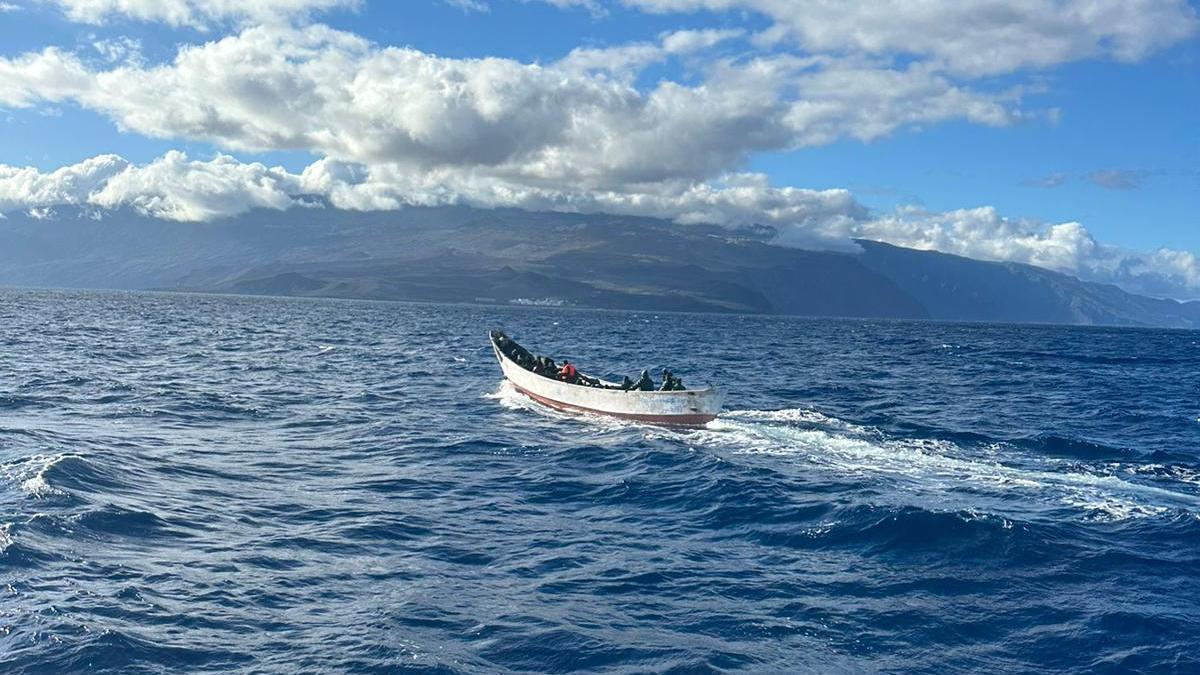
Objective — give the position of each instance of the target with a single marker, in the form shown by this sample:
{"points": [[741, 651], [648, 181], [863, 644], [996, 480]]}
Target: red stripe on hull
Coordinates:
{"points": [[669, 420]]}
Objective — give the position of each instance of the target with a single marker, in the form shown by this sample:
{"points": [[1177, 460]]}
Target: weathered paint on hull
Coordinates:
{"points": [[669, 420], [694, 407]]}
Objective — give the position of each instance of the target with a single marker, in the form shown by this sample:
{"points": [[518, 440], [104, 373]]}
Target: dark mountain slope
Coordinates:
{"points": [[956, 288], [614, 264], [506, 255]]}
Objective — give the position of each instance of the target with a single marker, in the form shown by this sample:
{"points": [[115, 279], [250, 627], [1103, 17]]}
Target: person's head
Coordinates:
{"points": [[645, 373]]}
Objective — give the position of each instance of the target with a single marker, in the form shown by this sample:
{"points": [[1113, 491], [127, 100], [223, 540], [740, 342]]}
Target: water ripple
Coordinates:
{"points": [[210, 484]]}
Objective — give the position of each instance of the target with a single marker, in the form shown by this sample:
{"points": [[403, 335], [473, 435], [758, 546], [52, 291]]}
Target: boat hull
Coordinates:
{"points": [[694, 407]]}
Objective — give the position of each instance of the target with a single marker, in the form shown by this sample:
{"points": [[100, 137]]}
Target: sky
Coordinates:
{"points": [[1061, 133]]}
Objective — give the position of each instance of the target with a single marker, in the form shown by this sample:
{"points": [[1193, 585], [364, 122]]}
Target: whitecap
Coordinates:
{"points": [[30, 473]]}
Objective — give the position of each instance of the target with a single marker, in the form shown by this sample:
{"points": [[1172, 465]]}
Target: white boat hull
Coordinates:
{"points": [[693, 407]]}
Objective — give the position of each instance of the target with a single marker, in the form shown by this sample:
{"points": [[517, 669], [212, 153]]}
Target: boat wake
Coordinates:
{"points": [[994, 477], [997, 478], [508, 397]]}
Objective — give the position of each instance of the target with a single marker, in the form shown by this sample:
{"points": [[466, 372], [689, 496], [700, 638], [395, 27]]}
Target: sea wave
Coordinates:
{"points": [[30, 473], [195, 483]]}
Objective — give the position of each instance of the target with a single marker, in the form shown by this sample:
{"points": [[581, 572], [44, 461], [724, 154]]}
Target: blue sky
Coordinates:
{"points": [[1083, 120]]}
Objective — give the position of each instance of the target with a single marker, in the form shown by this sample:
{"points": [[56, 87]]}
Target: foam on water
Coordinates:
{"points": [[511, 399], [936, 467], [30, 473], [925, 467], [508, 396]]}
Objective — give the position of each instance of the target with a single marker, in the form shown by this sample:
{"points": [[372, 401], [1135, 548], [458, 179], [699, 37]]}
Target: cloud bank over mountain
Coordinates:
{"points": [[174, 187], [589, 132]]}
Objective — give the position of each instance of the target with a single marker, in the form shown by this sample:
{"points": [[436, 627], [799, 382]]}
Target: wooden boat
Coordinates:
{"points": [[690, 407]]}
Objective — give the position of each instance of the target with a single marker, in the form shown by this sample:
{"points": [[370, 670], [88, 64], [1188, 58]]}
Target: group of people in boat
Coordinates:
{"points": [[644, 383], [567, 372]]}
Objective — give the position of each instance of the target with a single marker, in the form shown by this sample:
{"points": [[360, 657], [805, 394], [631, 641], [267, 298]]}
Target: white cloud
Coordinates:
{"points": [[122, 49], [195, 13], [984, 234], [48, 75], [972, 37], [627, 60], [688, 41], [867, 103], [733, 200], [23, 188], [338, 95], [468, 5], [171, 187], [594, 6], [174, 188]]}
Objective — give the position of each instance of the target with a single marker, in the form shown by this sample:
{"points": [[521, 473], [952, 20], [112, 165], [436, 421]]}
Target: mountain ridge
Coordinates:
{"points": [[505, 256]]}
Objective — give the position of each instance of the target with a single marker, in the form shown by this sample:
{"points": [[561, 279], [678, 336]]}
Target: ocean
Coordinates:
{"points": [[196, 484]]}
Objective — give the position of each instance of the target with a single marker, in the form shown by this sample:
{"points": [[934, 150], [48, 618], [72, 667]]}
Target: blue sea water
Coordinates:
{"points": [[225, 484]]}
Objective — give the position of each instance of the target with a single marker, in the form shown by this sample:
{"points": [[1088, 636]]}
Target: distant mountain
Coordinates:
{"points": [[511, 256], [954, 288]]}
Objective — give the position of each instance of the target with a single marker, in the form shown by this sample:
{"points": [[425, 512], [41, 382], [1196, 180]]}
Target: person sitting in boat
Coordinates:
{"points": [[514, 351], [671, 382], [521, 356], [626, 383], [517, 355], [644, 382], [568, 373], [668, 380], [505, 344]]}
